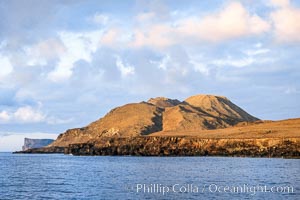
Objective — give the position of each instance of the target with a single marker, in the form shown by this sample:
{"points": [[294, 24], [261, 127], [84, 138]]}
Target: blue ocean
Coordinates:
{"points": [[57, 176]]}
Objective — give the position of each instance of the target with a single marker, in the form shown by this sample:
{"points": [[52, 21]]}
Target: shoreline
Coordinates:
{"points": [[181, 146]]}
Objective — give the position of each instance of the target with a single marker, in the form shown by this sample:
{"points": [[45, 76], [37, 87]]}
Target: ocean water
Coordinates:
{"points": [[57, 176]]}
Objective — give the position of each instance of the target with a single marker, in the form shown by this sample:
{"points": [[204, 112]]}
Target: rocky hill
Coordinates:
{"points": [[196, 113]]}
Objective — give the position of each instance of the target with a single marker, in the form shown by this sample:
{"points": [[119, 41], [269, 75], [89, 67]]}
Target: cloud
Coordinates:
{"points": [[286, 22], [175, 68], [25, 114], [232, 21], [157, 36], [29, 115], [125, 69], [254, 52], [4, 116], [6, 66], [79, 46], [44, 51], [200, 67], [163, 63], [111, 37], [229, 61], [245, 58], [280, 3]]}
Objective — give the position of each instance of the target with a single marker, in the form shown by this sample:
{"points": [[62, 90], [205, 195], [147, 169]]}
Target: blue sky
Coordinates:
{"points": [[64, 64]]}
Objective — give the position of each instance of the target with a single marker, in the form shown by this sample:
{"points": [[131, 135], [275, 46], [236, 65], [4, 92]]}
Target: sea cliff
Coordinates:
{"points": [[190, 146], [35, 143]]}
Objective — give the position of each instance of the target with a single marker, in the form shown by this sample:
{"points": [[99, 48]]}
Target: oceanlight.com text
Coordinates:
{"points": [[209, 188]]}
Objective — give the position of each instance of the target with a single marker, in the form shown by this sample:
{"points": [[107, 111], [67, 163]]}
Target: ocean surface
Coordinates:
{"points": [[57, 176]]}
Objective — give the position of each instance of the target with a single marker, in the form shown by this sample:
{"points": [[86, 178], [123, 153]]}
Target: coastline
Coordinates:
{"points": [[181, 146]]}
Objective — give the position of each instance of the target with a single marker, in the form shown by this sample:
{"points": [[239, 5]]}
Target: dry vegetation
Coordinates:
{"points": [[278, 129]]}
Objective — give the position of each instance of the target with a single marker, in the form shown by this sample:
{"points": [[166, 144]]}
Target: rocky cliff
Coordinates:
{"points": [[35, 143], [190, 146]]}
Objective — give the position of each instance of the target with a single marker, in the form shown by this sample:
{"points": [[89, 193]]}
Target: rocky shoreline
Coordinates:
{"points": [[43, 150], [181, 146]]}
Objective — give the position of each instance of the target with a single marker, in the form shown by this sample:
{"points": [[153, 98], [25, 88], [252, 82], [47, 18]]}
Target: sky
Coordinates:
{"points": [[65, 63]]}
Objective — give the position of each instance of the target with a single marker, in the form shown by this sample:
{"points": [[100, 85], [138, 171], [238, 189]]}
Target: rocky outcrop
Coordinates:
{"points": [[35, 143], [43, 150], [188, 146], [164, 102]]}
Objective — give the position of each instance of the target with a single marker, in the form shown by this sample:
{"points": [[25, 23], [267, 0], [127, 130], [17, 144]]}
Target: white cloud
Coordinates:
{"points": [[79, 46], [200, 67], [111, 37], [286, 22], [6, 66], [60, 74], [28, 115], [280, 3], [44, 51], [253, 52], [229, 61], [125, 69], [174, 67], [4, 117], [251, 56], [231, 22], [163, 63], [157, 36]]}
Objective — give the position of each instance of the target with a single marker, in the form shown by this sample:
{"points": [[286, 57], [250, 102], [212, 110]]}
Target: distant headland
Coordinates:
{"points": [[35, 143]]}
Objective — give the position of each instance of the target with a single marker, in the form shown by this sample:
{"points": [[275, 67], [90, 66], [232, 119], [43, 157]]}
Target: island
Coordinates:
{"points": [[201, 125]]}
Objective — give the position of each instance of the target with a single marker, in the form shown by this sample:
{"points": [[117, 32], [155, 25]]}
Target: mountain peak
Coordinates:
{"points": [[219, 106], [206, 96], [163, 102]]}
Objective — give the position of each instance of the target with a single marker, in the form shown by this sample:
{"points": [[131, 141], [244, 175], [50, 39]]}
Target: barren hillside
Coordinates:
{"points": [[194, 115]]}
